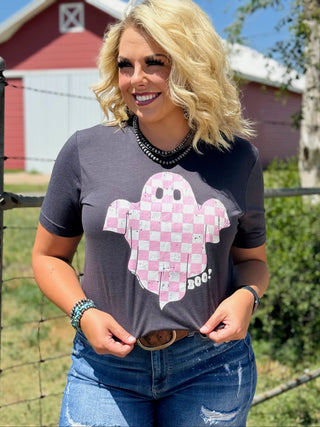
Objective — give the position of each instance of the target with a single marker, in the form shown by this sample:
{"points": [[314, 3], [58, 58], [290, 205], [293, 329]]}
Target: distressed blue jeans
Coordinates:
{"points": [[192, 383]]}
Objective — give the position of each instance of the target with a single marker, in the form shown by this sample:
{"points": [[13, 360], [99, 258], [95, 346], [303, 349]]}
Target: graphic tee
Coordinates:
{"points": [[167, 231], [157, 240]]}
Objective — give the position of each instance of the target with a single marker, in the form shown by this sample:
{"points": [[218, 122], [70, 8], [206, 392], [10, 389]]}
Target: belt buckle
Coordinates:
{"points": [[159, 347]]}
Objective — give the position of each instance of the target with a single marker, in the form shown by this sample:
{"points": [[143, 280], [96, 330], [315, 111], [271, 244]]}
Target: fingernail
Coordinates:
{"points": [[204, 330], [131, 339]]}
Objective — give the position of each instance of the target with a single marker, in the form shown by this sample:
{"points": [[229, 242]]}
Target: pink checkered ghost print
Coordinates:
{"points": [[167, 232]]}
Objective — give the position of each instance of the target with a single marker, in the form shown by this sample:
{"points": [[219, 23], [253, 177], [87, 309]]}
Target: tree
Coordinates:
{"points": [[309, 156], [301, 53]]}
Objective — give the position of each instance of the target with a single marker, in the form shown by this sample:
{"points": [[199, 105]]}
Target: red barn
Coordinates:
{"points": [[261, 101], [51, 48]]}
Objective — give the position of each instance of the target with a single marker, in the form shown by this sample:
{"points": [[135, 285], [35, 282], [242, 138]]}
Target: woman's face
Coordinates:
{"points": [[144, 70]]}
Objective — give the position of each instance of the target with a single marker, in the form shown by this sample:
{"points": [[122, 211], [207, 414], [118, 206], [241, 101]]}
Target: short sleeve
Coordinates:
{"points": [[61, 209], [251, 228]]}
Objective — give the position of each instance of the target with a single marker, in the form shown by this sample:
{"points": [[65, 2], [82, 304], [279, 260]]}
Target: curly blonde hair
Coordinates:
{"points": [[200, 81]]}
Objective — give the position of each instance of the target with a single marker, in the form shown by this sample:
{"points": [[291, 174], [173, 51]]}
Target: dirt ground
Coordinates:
{"points": [[25, 178]]}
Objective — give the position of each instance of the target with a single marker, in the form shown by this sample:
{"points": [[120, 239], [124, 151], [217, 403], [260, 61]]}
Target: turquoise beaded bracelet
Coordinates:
{"points": [[77, 311]]}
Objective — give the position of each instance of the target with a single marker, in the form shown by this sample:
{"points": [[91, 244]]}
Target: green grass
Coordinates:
{"points": [[22, 301], [25, 188], [24, 345], [297, 407]]}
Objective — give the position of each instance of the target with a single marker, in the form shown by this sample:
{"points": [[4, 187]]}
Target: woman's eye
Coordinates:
{"points": [[123, 64], [154, 62]]}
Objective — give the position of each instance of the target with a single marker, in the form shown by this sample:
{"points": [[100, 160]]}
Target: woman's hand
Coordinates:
{"points": [[52, 257], [105, 334], [235, 314]]}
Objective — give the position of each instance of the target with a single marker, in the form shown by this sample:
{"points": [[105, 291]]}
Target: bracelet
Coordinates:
{"points": [[255, 295], [77, 311]]}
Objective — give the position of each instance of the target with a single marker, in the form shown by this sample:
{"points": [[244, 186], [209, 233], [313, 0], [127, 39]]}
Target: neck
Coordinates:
{"points": [[165, 138]]}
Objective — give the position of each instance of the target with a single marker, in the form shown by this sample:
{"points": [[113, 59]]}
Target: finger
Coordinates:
{"points": [[119, 348], [212, 325], [121, 335], [111, 345], [220, 336]]}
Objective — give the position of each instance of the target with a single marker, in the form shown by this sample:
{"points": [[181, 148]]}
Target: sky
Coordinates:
{"points": [[259, 28]]}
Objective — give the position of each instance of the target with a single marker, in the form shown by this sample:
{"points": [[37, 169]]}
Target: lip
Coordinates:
{"points": [[145, 98]]}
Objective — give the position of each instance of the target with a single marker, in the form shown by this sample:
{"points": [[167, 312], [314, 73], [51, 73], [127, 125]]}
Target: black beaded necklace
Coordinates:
{"points": [[164, 158]]}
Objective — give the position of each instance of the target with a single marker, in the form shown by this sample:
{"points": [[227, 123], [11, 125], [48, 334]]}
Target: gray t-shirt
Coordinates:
{"points": [[157, 240]]}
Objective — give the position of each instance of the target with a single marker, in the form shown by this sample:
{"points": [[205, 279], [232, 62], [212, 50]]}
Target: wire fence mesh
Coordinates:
{"points": [[35, 336]]}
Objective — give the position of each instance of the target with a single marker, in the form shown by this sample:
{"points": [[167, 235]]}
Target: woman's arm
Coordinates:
{"points": [[51, 260], [251, 268], [235, 312]]}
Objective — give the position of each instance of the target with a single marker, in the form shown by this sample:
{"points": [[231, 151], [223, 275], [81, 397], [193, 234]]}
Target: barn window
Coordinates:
{"points": [[71, 17]]}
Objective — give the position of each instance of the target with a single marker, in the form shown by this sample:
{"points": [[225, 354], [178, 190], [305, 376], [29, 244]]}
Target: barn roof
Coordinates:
{"points": [[252, 65], [245, 62], [114, 8]]}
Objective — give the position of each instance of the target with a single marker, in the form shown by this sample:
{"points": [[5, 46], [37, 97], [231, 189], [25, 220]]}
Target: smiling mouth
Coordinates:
{"points": [[145, 99]]}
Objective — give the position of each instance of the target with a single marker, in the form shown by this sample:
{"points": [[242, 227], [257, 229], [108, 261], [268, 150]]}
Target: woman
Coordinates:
{"points": [[171, 206]]}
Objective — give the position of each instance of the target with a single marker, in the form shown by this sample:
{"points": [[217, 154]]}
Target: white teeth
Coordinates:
{"points": [[143, 98]]}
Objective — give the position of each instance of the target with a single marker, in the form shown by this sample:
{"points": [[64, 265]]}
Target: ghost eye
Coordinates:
{"points": [[177, 195], [159, 193]]}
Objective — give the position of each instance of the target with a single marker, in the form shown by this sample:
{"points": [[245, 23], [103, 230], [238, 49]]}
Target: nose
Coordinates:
{"points": [[138, 76]]}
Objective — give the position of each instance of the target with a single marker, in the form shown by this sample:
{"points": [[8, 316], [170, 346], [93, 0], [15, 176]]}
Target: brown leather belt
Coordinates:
{"points": [[158, 340]]}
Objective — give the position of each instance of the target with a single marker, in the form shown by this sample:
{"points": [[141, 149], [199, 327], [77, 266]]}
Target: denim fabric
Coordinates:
{"points": [[192, 383]]}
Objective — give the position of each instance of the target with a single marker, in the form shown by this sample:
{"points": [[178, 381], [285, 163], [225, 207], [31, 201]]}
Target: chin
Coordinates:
{"points": [[148, 117]]}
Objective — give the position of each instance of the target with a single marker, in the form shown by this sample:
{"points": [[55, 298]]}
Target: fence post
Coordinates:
{"points": [[2, 91]]}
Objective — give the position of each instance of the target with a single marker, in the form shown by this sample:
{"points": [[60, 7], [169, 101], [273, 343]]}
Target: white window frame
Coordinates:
{"points": [[71, 17]]}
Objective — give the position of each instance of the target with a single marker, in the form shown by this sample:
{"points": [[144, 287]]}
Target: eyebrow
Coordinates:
{"points": [[123, 58]]}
